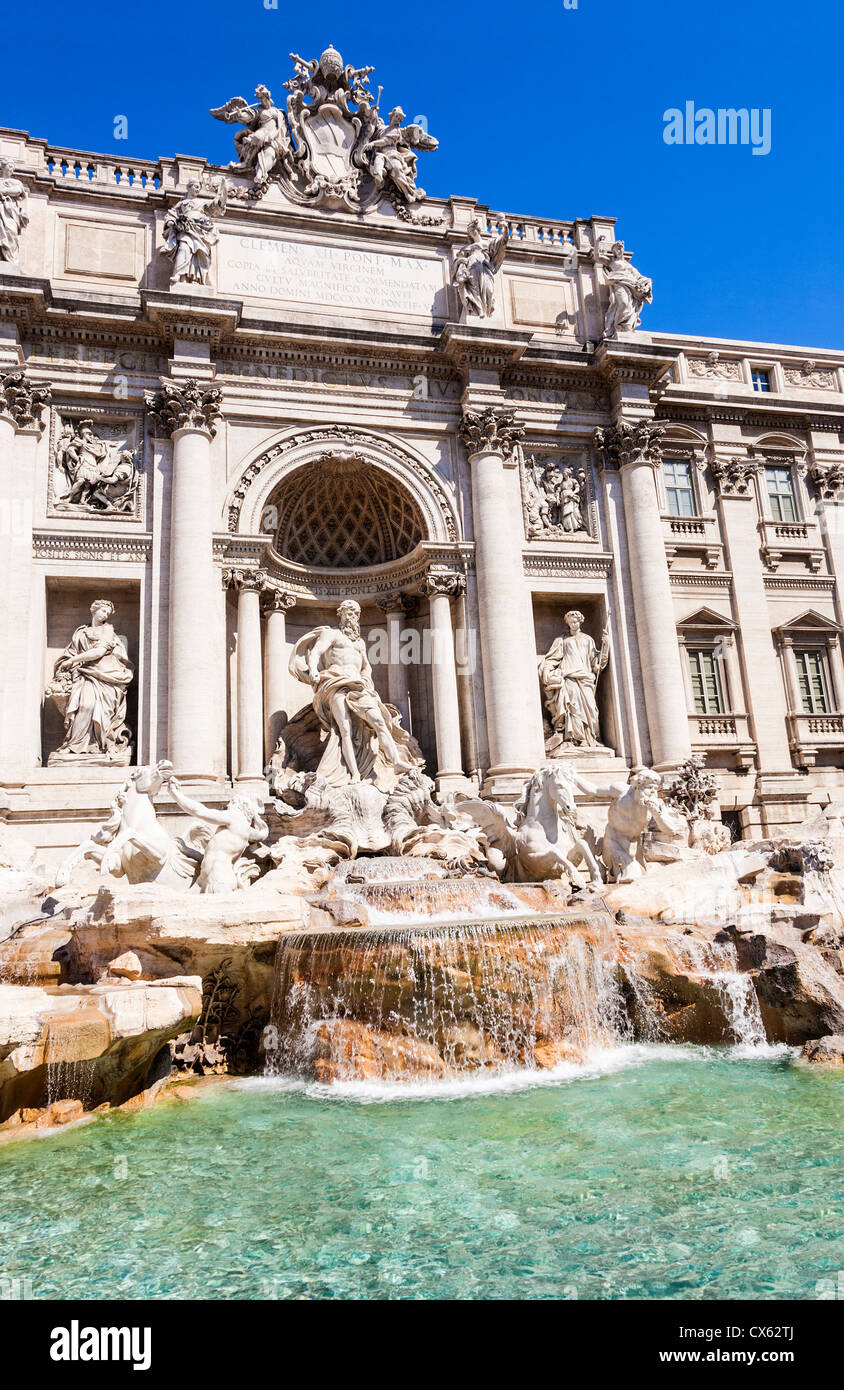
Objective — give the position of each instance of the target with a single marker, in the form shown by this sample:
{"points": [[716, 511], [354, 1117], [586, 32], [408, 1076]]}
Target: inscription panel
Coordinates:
{"points": [[332, 276]]}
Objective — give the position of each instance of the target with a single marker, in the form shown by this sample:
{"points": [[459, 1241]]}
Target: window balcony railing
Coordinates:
{"points": [[791, 540], [726, 734], [810, 734]]}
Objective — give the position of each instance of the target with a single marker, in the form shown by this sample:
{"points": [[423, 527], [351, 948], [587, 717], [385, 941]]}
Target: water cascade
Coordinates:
{"points": [[426, 1001], [716, 962]]}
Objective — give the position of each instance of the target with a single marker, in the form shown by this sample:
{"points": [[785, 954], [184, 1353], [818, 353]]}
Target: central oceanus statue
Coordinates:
{"points": [[363, 736]]}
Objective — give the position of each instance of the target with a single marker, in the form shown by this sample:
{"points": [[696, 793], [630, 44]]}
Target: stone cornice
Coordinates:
{"points": [[491, 349]]}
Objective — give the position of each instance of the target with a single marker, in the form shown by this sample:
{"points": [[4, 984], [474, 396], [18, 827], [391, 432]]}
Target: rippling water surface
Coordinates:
{"points": [[683, 1173]]}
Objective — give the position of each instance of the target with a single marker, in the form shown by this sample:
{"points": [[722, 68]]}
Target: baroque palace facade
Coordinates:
{"points": [[233, 398]]}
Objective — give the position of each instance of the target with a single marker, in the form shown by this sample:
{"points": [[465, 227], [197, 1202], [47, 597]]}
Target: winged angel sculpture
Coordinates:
{"points": [[329, 144]]}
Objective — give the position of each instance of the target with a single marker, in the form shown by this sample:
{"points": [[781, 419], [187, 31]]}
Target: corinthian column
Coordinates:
{"points": [[21, 404], [634, 449], [396, 608], [185, 412], [440, 588], [248, 585], [275, 603], [508, 646]]}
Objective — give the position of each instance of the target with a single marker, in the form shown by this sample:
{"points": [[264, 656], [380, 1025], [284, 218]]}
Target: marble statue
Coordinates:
{"points": [[266, 143], [329, 145], [221, 840], [130, 843], [99, 477], [389, 155], [475, 267], [89, 684], [365, 739], [190, 232], [634, 805], [542, 836], [554, 499], [568, 674], [629, 291], [13, 213]]}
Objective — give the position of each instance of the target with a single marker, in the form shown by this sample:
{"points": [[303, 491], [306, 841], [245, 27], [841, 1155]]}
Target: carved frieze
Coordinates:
{"points": [[715, 368], [811, 376]]}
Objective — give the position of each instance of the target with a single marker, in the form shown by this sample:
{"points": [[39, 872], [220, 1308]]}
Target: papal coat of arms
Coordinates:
{"points": [[329, 144]]}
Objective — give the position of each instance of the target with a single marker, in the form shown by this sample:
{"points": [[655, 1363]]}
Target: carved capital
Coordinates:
{"points": [[734, 477], [184, 405], [631, 442], [490, 431], [244, 580], [274, 599], [406, 604], [22, 400], [448, 582], [828, 478]]}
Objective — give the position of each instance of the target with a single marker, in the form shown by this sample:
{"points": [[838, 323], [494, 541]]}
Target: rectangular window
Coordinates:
{"points": [[812, 681], [707, 691], [781, 494], [760, 378], [678, 487]]}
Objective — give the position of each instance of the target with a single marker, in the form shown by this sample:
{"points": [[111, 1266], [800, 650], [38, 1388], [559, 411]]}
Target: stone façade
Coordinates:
{"points": [[335, 337]]}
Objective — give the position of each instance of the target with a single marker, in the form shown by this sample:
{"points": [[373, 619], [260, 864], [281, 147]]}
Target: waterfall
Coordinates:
{"points": [[417, 1001], [717, 962]]}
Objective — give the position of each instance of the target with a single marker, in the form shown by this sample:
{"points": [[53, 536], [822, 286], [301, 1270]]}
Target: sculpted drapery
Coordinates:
{"points": [[569, 676], [93, 674]]}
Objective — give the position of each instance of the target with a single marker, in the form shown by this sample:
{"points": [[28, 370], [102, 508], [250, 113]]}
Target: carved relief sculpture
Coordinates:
{"points": [[190, 232], [629, 291], [568, 674], [330, 144], [98, 477], [89, 685], [365, 739], [13, 213], [554, 499], [475, 267]]}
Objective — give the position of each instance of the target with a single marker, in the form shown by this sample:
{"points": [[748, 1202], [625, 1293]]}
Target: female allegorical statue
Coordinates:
{"points": [[191, 234], [569, 675], [13, 214], [92, 675]]}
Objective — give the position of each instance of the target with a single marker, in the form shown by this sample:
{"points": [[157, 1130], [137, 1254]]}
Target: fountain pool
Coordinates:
{"points": [[654, 1172]]}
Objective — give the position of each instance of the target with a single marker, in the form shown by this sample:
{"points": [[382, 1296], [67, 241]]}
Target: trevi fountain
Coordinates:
{"points": [[420, 807]]}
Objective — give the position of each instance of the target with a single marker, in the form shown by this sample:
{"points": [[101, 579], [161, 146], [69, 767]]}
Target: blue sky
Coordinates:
{"points": [[538, 109]]}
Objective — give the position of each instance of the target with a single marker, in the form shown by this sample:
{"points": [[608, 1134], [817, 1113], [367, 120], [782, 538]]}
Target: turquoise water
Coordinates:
{"points": [[661, 1173]]}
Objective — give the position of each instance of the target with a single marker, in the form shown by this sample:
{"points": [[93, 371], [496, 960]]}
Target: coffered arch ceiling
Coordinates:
{"points": [[345, 513]]}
